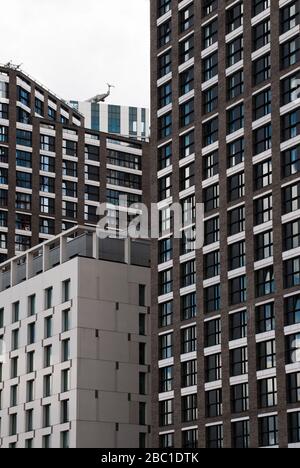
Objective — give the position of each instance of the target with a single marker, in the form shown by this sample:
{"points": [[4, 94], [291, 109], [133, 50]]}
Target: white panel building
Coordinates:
{"points": [[74, 327]]}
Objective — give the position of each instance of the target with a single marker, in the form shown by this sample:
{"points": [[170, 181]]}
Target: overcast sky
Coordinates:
{"points": [[74, 47]]}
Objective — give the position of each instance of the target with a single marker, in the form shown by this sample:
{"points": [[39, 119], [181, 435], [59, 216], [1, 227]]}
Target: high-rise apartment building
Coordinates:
{"points": [[226, 132], [53, 171], [74, 339], [131, 121]]}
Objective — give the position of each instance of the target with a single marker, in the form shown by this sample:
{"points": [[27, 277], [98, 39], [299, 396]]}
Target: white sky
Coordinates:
{"points": [[74, 47]]}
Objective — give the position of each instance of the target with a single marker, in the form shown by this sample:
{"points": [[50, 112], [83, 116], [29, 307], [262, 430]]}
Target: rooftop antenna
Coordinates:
{"points": [[101, 97]]}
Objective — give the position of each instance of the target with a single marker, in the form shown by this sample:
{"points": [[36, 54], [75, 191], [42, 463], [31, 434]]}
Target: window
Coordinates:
{"points": [[165, 126], [263, 210], [188, 306], [266, 355], [261, 34], [166, 441], [213, 368], [294, 427], [69, 148], [23, 96], [65, 344], [290, 125], [261, 69], [264, 281], [210, 67], [214, 437], [165, 94], [290, 161], [291, 272], [293, 387], [163, 7], [258, 6], [264, 245], [211, 197], [239, 361], [211, 231], [186, 18], [211, 132], [69, 209], [292, 310], [210, 34], [290, 53], [92, 152], [262, 139], [289, 17], [190, 439], [212, 335], [3, 111], [166, 413], [164, 65], [3, 90], [241, 434], [187, 177], [13, 423], [289, 87], [3, 134], [166, 346], [187, 145], [235, 118], [166, 379], [292, 348], [291, 198], [240, 398], [212, 265], [213, 401], [47, 205], [237, 220], [186, 113], [186, 49], [64, 439], [166, 314], [211, 165], [166, 282], [235, 51], [236, 187], [268, 431], [189, 374], [238, 290], [64, 411], [237, 255], [47, 164], [188, 340], [212, 299], [22, 243], [47, 143], [164, 33], [263, 174], [65, 320], [189, 408], [235, 85], [65, 380], [267, 393], [238, 325], [265, 318], [235, 152], [262, 104], [210, 99], [24, 138], [234, 17], [47, 184]]}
